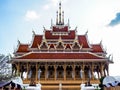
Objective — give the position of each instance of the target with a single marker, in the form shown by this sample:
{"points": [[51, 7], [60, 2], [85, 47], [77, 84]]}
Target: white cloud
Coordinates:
{"points": [[54, 2], [31, 15], [46, 7]]}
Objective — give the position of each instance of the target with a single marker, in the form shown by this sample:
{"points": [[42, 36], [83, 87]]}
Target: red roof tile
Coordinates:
{"points": [[83, 41], [71, 35], [23, 48], [97, 48], [48, 35], [35, 55], [64, 29], [36, 41]]}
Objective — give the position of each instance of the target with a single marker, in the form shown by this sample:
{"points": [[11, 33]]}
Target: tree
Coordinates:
{"points": [[5, 67]]}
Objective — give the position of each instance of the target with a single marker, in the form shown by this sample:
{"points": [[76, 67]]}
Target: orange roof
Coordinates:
{"points": [[23, 48], [83, 41], [64, 29], [48, 35], [36, 41], [97, 48], [38, 55]]}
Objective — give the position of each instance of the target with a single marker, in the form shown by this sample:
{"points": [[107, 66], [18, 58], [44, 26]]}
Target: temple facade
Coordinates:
{"points": [[60, 56]]}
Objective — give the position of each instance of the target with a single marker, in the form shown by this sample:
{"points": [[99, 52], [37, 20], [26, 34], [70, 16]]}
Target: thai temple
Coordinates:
{"points": [[60, 57]]}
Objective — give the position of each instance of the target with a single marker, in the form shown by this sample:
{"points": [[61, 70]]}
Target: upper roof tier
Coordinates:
{"points": [[58, 29], [50, 35]]}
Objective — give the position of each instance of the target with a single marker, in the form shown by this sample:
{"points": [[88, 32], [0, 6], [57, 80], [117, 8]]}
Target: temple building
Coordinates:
{"points": [[60, 57]]}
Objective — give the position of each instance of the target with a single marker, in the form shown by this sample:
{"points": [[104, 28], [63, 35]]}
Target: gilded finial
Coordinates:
{"points": [[86, 32], [57, 18], [60, 12], [51, 22], [101, 42], [33, 32], [68, 23], [63, 17], [18, 42]]}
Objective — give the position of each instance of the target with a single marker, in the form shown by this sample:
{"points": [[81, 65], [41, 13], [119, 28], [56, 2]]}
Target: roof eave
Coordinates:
{"points": [[58, 60]]}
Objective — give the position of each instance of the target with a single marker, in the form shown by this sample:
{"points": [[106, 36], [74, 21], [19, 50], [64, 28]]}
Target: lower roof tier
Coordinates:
{"points": [[59, 55]]}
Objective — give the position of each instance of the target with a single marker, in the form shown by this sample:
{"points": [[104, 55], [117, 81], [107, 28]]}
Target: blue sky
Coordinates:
{"points": [[18, 18]]}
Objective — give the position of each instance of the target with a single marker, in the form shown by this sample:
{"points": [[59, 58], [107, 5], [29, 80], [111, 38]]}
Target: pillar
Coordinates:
{"points": [[90, 72], [108, 70], [83, 73], [18, 68], [92, 69], [98, 72], [73, 66], [101, 70], [14, 70], [104, 71], [27, 70], [55, 72], [64, 71], [46, 72], [29, 66], [36, 71]]}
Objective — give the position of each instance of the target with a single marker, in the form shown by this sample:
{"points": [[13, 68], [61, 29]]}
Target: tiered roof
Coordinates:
{"points": [[83, 41], [49, 35], [60, 55], [23, 48], [63, 29], [97, 48], [60, 43], [37, 39]]}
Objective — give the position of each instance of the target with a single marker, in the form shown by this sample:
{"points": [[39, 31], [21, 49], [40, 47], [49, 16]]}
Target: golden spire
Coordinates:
{"points": [[60, 12], [33, 32], [51, 23], [57, 17], [62, 17], [18, 42]]}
